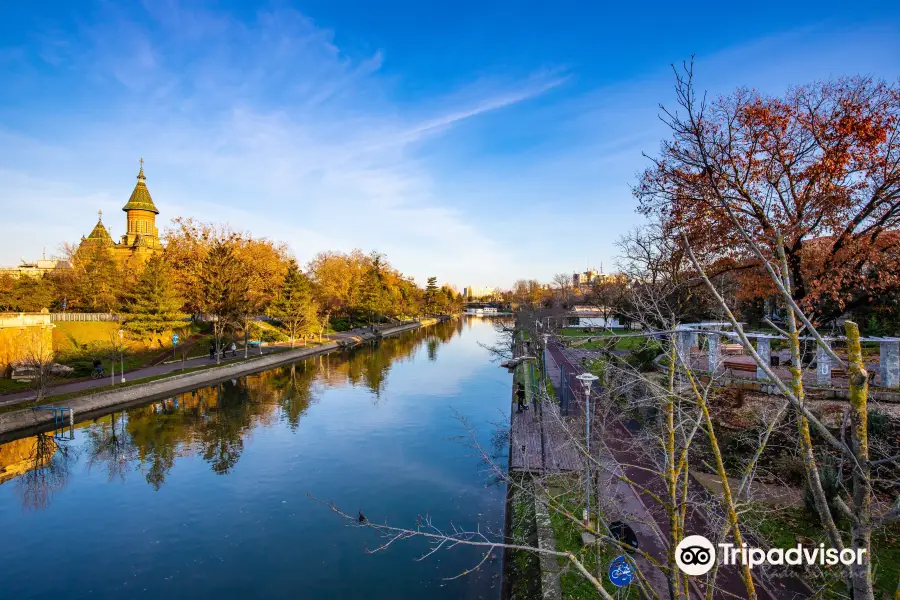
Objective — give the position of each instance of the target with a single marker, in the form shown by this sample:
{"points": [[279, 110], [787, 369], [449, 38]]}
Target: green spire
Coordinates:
{"points": [[140, 197], [99, 232]]}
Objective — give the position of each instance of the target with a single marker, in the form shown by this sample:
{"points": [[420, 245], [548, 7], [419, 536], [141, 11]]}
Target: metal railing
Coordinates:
{"points": [[83, 317]]}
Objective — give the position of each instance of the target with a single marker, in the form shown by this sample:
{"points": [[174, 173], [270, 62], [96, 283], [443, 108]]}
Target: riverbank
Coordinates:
{"points": [[209, 491], [28, 420]]}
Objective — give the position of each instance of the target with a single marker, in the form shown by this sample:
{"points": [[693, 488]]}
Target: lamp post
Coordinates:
{"points": [[587, 379], [546, 337], [121, 357]]}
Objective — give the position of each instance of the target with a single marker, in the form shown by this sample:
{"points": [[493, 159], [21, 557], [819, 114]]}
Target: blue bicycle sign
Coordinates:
{"points": [[174, 339], [621, 573]]}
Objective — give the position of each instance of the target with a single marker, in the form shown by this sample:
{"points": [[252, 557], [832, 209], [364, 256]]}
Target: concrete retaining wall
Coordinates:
{"points": [[16, 423]]}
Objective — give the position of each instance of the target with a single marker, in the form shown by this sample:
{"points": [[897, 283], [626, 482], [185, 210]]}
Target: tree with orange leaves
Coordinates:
{"points": [[820, 165]]}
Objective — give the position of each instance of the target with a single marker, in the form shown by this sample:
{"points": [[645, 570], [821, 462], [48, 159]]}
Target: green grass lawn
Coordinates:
{"points": [[8, 385], [595, 559], [522, 568], [625, 343]]}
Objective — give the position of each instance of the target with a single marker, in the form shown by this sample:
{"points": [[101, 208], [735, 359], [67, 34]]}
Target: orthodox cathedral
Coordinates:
{"points": [[141, 239]]}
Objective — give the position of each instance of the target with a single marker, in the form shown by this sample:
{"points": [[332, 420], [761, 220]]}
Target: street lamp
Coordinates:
{"points": [[121, 356], [546, 337], [587, 379]]}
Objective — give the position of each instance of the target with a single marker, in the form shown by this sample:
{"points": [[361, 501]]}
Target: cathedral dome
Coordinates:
{"points": [[99, 234], [140, 197]]}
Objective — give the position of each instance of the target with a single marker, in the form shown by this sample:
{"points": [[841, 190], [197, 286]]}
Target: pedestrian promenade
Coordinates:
{"points": [[625, 462], [163, 369]]}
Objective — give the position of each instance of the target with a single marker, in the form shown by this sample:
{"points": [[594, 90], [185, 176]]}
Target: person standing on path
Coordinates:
{"points": [[233, 350], [212, 351], [520, 397]]}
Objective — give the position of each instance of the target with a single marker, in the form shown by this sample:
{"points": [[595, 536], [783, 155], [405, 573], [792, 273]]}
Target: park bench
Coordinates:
{"points": [[732, 349], [737, 365]]}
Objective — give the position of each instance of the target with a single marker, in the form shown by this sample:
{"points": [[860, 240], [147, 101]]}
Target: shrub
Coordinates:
{"points": [[879, 424], [642, 358]]}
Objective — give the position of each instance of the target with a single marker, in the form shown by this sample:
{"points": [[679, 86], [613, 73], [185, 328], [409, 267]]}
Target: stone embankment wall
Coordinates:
{"points": [[24, 335], [27, 419]]}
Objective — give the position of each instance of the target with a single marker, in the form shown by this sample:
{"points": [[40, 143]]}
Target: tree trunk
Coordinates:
{"points": [[806, 447], [861, 529], [672, 478]]}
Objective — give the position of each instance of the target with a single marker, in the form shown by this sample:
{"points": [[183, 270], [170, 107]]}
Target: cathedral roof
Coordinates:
{"points": [[140, 197], [99, 233]]}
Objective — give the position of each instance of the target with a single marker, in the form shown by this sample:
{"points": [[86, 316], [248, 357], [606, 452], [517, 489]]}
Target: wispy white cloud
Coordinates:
{"points": [[270, 124], [267, 124]]}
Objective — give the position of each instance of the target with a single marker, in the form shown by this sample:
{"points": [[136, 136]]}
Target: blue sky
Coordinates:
{"points": [[476, 143]]}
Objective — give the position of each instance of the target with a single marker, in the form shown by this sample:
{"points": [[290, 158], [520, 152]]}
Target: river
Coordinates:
{"points": [[205, 495]]}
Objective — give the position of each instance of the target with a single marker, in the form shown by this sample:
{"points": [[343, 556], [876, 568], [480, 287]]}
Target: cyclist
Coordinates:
{"points": [[98, 369]]}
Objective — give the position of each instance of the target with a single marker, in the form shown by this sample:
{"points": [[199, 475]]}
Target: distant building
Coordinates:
{"points": [[479, 292], [584, 278], [590, 277], [141, 239], [37, 268], [583, 315]]}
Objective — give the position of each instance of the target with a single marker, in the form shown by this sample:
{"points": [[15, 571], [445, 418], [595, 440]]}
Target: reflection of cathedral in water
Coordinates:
{"points": [[212, 422]]}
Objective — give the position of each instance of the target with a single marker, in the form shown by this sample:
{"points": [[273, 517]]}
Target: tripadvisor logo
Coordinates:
{"points": [[696, 555]]}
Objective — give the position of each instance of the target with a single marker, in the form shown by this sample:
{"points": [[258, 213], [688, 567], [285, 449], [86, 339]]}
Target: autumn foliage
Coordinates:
{"points": [[211, 269], [820, 165]]}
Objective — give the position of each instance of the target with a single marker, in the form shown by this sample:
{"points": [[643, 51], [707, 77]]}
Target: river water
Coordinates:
{"points": [[205, 495]]}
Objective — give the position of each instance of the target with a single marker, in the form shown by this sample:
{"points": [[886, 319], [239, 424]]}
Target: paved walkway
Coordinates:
{"points": [[538, 444], [624, 456], [165, 368]]}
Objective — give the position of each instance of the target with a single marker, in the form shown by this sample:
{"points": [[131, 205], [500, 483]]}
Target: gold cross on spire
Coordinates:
{"points": [[99, 215], [142, 162]]}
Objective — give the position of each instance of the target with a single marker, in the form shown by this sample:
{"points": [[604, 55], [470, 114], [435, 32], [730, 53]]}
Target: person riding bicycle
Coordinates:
{"points": [[98, 367]]}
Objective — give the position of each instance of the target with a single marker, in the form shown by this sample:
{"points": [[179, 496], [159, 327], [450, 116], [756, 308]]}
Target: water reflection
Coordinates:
{"points": [[213, 422]]}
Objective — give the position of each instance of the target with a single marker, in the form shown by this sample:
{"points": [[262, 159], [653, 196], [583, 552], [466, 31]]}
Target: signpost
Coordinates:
{"points": [[174, 344], [122, 355], [621, 573]]}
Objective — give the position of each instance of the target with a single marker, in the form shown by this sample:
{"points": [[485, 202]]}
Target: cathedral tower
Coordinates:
{"points": [[141, 216]]}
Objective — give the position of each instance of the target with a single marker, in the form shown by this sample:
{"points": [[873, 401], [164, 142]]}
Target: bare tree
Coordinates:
{"points": [[856, 506], [562, 283], [37, 360], [642, 470]]}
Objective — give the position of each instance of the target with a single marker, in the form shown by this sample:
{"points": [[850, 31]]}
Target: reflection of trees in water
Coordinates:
{"points": [[109, 445], [295, 390], [371, 363], [158, 431], [50, 467], [221, 434], [212, 422]]}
